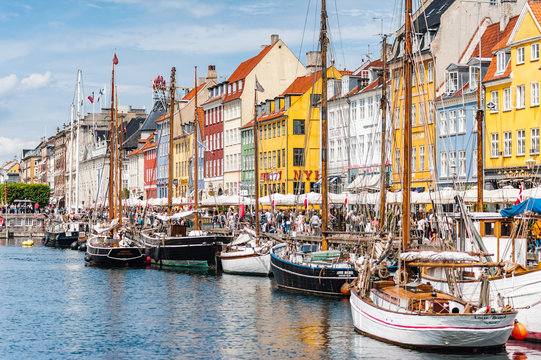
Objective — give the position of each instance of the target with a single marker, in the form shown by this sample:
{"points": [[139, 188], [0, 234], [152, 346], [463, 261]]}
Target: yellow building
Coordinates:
{"points": [[423, 132], [289, 156], [511, 141]]}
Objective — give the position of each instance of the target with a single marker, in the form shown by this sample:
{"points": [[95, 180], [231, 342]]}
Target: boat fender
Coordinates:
{"points": [[483, 310], [148, 259], [157, 253], [87, 258], [519, 331], [74, 245], [82, 247], [345, 289]]}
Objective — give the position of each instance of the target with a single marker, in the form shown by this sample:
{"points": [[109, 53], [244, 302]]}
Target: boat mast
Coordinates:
{"points": [[479, 118], [408, 72], [195, 161], [111, 145], [120, 141], [72, 116], [117, 154], [383, 178], [171, 115], [323, 117], [80, 103], [256, 165]]}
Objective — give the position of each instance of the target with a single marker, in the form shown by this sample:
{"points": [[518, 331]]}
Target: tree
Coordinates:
{"points": [[39, 193]]}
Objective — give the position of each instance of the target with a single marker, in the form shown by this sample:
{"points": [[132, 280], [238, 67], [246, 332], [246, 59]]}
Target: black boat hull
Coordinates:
{"points": [[316, 280], [60, 240], [116, 256], [185, 251]]}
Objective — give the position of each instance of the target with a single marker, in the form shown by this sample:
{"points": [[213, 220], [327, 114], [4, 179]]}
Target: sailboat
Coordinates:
{"points": [[413, 314], [173, 246], [109, 246], [306, 267]]}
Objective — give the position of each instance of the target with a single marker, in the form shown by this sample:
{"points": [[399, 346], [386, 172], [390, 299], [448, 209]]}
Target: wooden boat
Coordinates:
{"points": [[315, 272], [61, 235], [105, 251], [245, 257], [415, 315]]}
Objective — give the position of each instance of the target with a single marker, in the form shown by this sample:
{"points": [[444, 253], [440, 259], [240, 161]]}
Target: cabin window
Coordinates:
{"points": [[505, 229], [489, 227]]}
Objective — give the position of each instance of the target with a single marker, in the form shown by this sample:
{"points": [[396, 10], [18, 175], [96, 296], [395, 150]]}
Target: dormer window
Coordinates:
{"points": [[502, 59], [240, 85], [474, 77], [452, 82], [287, 102], [234, 87]]}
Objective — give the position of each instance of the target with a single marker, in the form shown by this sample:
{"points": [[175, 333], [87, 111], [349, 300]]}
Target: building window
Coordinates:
{"points": [[443, 123], [452, 163], [452, 122], [370, 107], [397, 118], [278, 128], [396, 79], [520, 55], [274, 159], [283, 127], [521, 142], [413, 159], [298, 157], [507, 99], [494, 100], [462, 163], [502, 59], [430, 71], [284, 157], [520, 97], [452, 82], [430, 112], [443, 164], [535, 52], [431, 157], [421, 157], [413, 115], [494, 146], [298, 187], [507, 141], [314, 99], [421, 113], [298, 127], [461, 121], [534, 93], [534, 149], [362, 109], [273, 130], [474, 77]]}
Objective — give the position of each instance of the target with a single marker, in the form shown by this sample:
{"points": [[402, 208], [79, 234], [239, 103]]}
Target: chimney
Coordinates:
{"points": [[274, 38], [313, 61], [262, 47], [211, 73], [504, 21], [201, 80]]}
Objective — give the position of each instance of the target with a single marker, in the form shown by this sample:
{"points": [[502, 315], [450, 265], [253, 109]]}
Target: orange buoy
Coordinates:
{"points": [[345, 289], [519, 331]]}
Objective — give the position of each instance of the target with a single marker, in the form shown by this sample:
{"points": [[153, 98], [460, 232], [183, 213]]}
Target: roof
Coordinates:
{"points": [[490, 38], [266, 117], [535, 6], [247, 66], [501, 44], [250, 124], [302, 84], [191, 93]]}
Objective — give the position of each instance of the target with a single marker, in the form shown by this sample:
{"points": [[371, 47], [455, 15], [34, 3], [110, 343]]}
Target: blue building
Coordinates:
{"points": [[456, 129], [162, 164]]}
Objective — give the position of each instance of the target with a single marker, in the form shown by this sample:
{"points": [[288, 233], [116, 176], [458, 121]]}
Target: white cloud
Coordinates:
{"points": [[8, 83], [11, 146], [36, 81]]}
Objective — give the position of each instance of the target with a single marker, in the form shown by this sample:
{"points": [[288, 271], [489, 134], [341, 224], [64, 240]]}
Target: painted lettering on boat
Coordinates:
{"points": [[344, 273]]}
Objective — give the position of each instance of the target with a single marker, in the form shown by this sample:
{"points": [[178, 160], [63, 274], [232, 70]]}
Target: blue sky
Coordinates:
{"points": [[43, 43]]}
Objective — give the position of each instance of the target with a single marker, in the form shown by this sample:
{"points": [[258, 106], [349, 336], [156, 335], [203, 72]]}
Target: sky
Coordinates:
{"points": [[44, 43]]}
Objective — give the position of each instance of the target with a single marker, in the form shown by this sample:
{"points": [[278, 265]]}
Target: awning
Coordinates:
{"points": [[527, 205], [365, 182]]}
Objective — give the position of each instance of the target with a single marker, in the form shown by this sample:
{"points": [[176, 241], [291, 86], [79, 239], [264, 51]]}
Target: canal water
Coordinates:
{"points": [[53, 306]]}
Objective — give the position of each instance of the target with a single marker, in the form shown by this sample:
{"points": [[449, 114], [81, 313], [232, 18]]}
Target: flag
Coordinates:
{"points": [[115, 60], [91, 98], [305, 202], [519, 199], [100, 94], [346, 201], [241, 210], [257, 86]]}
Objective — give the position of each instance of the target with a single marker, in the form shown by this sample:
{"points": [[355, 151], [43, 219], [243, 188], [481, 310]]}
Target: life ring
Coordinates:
{"points": [[383, 271]]}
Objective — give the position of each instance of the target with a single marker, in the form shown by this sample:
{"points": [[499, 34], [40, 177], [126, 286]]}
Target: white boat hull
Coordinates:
{"points": [[522, 291], [246, 262], [458, 331]]}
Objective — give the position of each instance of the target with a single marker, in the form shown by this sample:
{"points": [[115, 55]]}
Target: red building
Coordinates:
{"points": [[214, 140], [149, 149]]}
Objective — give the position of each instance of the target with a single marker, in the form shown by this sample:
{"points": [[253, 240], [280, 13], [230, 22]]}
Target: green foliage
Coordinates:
{"points": [[125, 193], [39, 193]]}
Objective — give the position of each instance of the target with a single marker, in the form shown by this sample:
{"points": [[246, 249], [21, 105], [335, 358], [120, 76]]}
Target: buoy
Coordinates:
{"points": [[82, 247], [87, 258], [28, 243], [74, 245], [519, 331], [345, 289], [148, 259]]}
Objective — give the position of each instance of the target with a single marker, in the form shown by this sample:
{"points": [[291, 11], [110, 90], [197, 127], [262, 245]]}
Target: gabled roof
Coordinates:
{"points": [[247, 66], [250, 124], [191, 93], [302, 84], [501, 44], [489, 39]]}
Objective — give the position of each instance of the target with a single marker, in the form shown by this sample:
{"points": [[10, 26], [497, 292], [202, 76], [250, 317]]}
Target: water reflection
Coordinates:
{"points": [[53, 304]]}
